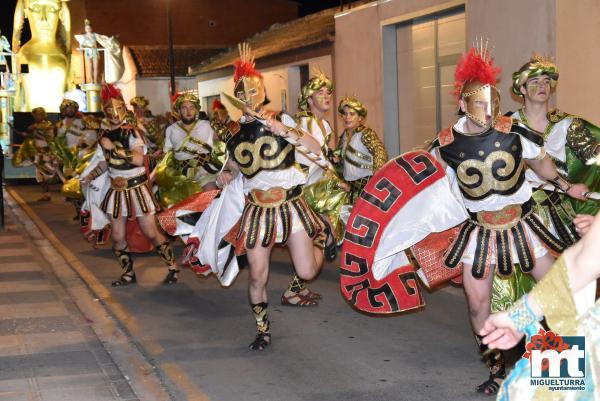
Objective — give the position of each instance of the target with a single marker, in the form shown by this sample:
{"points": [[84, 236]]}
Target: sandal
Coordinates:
{"points": [[262, 341], [171, 277], [295, 299], [125, 279], [309, 294], [491, 385]]}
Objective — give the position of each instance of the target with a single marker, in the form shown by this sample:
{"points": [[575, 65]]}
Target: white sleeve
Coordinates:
{"points": [[135, 142], [167, 145], [208, 134], [530, 149]]}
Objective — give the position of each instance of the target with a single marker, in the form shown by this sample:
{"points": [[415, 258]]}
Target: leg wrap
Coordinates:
{"points": [[297, 284], [126, 262], [493, 358], [262, 318], [165, 252]]}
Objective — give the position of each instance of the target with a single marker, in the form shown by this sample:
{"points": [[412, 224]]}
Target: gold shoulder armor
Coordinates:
{"points": [[91, 122], [376, 148], [555, 115]]}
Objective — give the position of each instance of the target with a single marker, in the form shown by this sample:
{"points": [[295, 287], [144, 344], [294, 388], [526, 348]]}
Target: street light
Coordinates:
{"points": [[171, 55]]}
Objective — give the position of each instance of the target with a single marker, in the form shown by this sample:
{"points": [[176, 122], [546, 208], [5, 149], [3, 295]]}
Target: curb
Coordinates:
{"points": [[95, 301]]}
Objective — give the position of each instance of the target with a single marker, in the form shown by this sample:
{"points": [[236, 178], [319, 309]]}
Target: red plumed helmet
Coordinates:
{"points": [[244, 69], [245, 65], [109, 92], [216, 105], [476, 65]]}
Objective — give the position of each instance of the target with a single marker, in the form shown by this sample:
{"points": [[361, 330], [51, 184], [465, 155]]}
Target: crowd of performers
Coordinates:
{"points": [[490, 203]]}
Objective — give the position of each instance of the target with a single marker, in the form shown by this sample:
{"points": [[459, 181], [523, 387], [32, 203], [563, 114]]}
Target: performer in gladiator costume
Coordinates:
{"points": [[152, 126], [191, 140], [275, 211], [313, 103], [488, 154], [80, 136], [477, 171], [360, 150], [128, 196], [570, 141], [76, 131], [219, 120], [46, 164], [187, 166]]}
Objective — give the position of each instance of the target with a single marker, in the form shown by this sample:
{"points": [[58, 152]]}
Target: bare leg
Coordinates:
{"points": [[150, 230], [258, 259], [300, 246], [478, 294]]}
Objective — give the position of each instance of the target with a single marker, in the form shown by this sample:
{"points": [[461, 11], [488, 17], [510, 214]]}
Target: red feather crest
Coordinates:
{"points": [[245, 65], [175, 97], [216, 104], [475, 67], [110, 92], [244, 69]]}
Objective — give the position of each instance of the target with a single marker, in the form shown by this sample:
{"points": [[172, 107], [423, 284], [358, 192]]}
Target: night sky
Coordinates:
{"points": [[6, 18]]}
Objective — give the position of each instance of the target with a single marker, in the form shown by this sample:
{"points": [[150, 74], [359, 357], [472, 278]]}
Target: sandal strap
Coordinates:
{"points": [[491, 385], [262, 341], [125, 279], [302, 301]]}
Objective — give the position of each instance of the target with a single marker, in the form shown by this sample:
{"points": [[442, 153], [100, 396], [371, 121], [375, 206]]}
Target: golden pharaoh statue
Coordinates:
{"points": [[46, 53]]}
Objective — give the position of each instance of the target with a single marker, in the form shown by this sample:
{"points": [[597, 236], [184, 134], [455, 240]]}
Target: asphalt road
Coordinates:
{"points": [[196, 333]]}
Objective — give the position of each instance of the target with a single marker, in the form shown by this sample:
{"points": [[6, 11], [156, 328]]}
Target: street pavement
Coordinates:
{"points": [[189, 341], [48, 350]]}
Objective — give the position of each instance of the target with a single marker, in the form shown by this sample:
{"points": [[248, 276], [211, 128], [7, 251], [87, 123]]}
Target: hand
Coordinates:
{"points": [[499, 332], [121, 153], [583, 222], [107, 144], [224, 178], [277, 127], [268, 114], [577, 191], [158, 154]]}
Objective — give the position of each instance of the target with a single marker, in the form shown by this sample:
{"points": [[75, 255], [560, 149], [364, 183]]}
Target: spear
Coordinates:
{"points": [[318, 159]]}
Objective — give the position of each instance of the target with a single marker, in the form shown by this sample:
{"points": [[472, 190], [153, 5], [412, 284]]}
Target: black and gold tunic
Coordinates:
{"points": [[275, 207], [490, 171], [129, 195]]}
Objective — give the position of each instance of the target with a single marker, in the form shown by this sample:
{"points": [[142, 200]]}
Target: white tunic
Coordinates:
{"points": [[310, 125], [175, 138], [358, 161], [555, 145], [75, 131], [200, 141]]}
